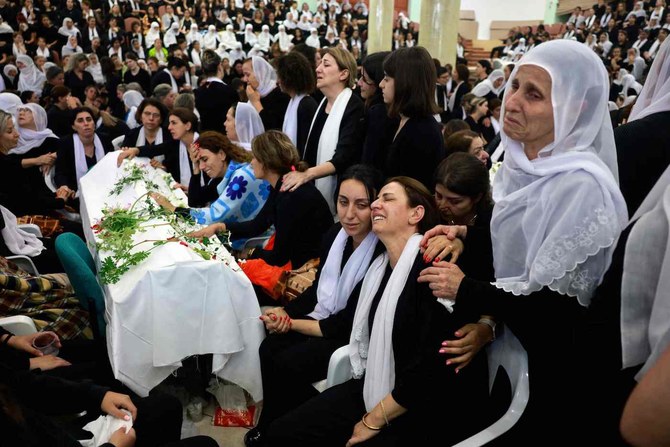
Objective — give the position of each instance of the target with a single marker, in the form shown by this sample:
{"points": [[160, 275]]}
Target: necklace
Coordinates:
{"points": [[469, 223]]}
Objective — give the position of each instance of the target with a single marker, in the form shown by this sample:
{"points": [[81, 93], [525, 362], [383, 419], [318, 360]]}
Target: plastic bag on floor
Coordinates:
{"points": [[233, 410]]}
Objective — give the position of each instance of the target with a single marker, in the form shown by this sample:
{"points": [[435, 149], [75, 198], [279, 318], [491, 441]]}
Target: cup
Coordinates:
{"points": [[46, 343]]}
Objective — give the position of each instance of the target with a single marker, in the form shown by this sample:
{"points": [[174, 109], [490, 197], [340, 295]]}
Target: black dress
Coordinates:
{"points": [[416, 150], [348, 149], [142, 77], [66, 171], [423, 383], [375, 129], [306, 110], [274, 108], [77, 85], [213, 99], [643, 154], [59, 121]]}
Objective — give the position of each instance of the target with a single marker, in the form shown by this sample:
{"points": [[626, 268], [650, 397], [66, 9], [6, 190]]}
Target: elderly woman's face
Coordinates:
{"points": [[10, 137], [26, 119], [529, 114], [391, 213], [248, 75]]}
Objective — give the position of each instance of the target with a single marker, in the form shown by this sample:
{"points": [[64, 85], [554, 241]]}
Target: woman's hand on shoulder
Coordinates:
{"points": [[443, 278], [293, 180], [451, 231], [440, 246]]}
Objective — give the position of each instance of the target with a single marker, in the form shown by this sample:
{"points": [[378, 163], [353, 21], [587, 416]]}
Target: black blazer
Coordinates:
{"points": [[213, 100], [163, 77], [142, 77], [66, 171], [170, 149], [301, 218]]}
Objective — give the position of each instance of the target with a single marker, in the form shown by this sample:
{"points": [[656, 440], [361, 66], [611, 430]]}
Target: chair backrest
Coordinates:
{"points": [[18, 325], [505, 351], [128, 23], [81, 270]]}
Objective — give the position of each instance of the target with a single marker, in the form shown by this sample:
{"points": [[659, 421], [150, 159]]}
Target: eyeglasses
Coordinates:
{"points": [[151, 115]]}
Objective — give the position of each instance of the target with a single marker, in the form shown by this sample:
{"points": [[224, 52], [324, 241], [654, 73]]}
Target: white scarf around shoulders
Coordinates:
{"points": [[372, 353], [290, 126], [81, 167], [335, 286], [330, 135]]}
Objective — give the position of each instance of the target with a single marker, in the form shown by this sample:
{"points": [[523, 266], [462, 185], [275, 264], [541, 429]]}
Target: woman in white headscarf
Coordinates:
{"points": [[255, 51], [68, 29], [264, 39], [153, 34], [228, 38], [628, 82], [284, 39], [305, 24], [210, 40], [491, 86], [193, 34], [95, 68], [132, 100], [30, 78], [290, 22], [242, 124], [11, 72], [237, 53], [636, 63], [263, 93], [313, 39], [250, 38], [71, 47], [170, 37], [557, 218]]}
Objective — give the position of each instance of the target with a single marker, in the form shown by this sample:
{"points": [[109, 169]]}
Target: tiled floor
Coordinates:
{"points": [[225, 436]]}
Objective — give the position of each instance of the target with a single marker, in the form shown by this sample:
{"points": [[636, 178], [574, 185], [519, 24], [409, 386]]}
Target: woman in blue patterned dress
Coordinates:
{"points": [[241, 194]]}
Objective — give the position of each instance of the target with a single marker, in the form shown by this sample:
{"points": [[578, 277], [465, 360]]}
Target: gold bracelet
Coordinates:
{"points": [[386, 419], [371, 427]]}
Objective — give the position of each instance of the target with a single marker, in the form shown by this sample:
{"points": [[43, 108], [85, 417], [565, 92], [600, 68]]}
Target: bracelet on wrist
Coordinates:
{"points": [[371, 427], [386, 419], [490, 323]]}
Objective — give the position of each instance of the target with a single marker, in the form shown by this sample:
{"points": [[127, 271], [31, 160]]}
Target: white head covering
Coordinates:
{"points": [[221, 51], [557, 218], [249, 36], [30, 78], [265, 74], [487, 85], [211, 40], [628, 81], [193, 34], [304, 24], [248, 124], [153, 34], [228, 38], [655, 95], [10, 103], [132, 99], [283, 38], [65, 31], [313, 39], [237, 53], [95, 70], [255, 51], [264, 38], [170, 37], [645, 307], [29, 138]]}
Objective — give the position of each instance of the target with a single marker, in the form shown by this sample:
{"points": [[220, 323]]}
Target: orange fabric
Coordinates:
{"points": [[264, 275], [271, 243]]}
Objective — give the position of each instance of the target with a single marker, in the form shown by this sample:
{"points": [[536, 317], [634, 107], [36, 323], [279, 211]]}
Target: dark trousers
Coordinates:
{"points": [[290, 363]]}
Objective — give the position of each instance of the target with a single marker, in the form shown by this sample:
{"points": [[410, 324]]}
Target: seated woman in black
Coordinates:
{"points": [[300, 217], [80, 151], [298, 349], [176, 151], [332, 143], [400, 382]]}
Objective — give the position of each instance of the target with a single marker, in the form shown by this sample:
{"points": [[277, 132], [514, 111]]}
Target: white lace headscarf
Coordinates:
{"points": [[153, 34], [655, 95], [193, 34], [248, 124], [211, 40], [265, 74], [228, 38], [283, 38], [265, 38], [557, 218], [170, 37]]}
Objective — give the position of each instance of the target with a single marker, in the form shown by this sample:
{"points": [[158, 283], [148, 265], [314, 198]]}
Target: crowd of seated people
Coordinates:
{"points": [[441, 203]]}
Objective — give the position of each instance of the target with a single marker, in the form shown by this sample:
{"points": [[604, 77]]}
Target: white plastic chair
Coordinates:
{"points": [[507, 352], [25, 263], [339, 370], [18, 325]]}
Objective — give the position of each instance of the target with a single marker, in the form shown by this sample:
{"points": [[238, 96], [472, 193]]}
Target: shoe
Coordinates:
{"points": [[254, 438]]}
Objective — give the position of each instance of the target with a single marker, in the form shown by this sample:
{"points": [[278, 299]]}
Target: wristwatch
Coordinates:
{"points": [[490, 323]]}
